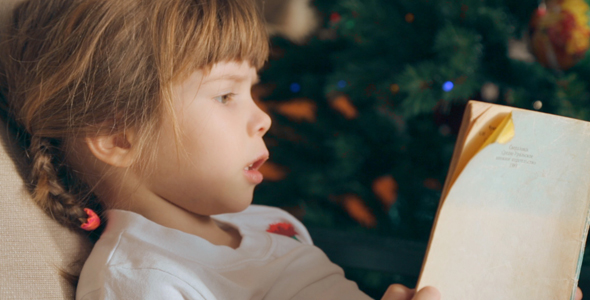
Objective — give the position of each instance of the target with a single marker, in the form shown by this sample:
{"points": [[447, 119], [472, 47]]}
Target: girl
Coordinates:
{"points": [[137, 114]]}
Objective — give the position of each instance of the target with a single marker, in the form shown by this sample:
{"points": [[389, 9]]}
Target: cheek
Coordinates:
{"points": [[205, 150], [205, 160], [210, 140]]}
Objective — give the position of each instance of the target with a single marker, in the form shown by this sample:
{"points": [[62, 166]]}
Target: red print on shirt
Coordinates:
{"points": [[283, 229]]}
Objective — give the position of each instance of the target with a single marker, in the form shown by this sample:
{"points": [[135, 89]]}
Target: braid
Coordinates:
{"points": [[48, 187]]}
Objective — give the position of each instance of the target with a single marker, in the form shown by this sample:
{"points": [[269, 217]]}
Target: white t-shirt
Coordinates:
{"points": [[136, 258]]}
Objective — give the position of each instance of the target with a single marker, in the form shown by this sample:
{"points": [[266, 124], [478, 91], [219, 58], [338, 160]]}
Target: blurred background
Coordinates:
{"points": [[367, 96]]}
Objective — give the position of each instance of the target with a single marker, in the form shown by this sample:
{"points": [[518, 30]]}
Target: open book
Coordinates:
{"points": [[514, 211]]}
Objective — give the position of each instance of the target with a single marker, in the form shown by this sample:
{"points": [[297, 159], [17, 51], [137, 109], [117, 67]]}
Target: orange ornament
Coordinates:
{"points": [[358, 210], [343, 105], [272, 171], [385, 188], [299, 109]]}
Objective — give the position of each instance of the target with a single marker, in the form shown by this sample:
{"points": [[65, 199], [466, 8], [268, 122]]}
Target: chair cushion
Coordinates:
{"points": [[33, 247]]}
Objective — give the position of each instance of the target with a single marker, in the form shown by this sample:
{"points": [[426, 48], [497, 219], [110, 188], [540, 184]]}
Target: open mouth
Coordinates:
{"points": [[255, 165]]}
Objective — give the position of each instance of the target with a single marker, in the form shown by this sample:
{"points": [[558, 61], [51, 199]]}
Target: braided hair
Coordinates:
{"points": [[50, 187]]}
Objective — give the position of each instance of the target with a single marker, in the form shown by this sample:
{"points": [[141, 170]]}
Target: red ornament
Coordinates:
{"points": [[285, 229], [335, 17]]}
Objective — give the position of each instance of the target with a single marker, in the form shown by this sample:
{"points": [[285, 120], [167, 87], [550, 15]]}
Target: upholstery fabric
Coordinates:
{"points": [[33, 247]]}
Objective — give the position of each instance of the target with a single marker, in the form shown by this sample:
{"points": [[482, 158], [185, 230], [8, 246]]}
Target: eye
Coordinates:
{"points": [[223, 99]]}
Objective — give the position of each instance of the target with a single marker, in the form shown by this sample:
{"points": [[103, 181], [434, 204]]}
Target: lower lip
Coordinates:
{"points": [[254, 176]]}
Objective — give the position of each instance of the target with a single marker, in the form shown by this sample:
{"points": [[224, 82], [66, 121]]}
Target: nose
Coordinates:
{"points": [[260, 122]]}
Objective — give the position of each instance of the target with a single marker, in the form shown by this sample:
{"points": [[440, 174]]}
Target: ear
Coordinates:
{"points": [[116, 150]]}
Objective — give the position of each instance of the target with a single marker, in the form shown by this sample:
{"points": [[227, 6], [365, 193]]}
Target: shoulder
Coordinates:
{"points": [[270, 219], [134, 254], [144, 283]]}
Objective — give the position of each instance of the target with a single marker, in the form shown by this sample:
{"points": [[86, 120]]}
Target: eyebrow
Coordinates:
{"points": [[231, 77]]}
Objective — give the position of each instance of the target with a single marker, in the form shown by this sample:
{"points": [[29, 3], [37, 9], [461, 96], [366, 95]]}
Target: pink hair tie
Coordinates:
{"points": [[92, 222]]}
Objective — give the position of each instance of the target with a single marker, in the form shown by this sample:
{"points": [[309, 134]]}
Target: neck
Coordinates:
{"points": [[172, 216], [160, 211]]}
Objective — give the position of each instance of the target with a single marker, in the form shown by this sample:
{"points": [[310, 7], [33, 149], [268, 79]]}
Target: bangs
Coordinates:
{"points": [[197, 34]]}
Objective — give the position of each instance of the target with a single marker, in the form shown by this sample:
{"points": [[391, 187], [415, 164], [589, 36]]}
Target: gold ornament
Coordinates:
{"points": [[560, 34]]}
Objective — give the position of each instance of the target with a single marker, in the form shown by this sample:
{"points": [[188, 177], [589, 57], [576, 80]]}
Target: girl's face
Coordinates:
{"points": [[214, 169]]}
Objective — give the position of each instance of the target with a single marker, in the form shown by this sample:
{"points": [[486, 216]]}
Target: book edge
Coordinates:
{"points": [[467, 119]]}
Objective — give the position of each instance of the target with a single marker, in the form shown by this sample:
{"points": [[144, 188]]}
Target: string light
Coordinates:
{"points": [[448, 86], [349, 24], [394, 88], [295, 87], [341, 84]]}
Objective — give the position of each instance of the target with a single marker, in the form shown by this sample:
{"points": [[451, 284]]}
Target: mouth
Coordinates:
{"points": [[251, 170], [257, 163]]}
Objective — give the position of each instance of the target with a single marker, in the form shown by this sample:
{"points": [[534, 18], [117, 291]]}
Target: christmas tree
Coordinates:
{"points": [[366, 112]]}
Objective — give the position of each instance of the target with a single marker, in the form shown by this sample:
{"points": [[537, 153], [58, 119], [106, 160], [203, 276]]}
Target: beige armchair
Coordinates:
{"points": [[33, 247]]}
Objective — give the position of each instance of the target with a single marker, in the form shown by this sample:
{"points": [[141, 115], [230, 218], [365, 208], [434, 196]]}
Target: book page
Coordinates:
{"points": [[483, 119], [479, 122], [514, 222]]}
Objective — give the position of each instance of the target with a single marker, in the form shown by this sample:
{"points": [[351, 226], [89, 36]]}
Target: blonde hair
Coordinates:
{"points": [[79, 67]]}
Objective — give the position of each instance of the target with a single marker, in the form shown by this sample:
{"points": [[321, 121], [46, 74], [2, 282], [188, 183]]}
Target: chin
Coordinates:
{"points": [[241, 206], [237, 206]]}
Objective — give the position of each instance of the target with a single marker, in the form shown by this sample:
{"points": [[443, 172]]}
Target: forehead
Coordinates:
{"points": [[216, 77], [235, 71]]}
